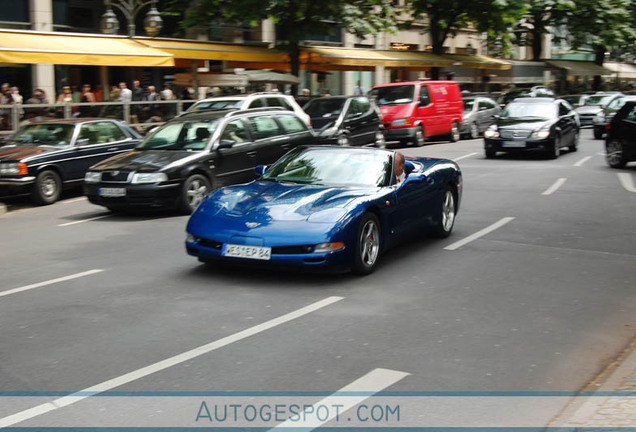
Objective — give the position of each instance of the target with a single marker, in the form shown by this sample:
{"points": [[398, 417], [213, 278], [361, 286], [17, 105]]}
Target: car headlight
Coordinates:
{"points": [[13, 168], [139, 178], [541, 134], [399, 122], [92, 177], [328, 247], [491, 133]]}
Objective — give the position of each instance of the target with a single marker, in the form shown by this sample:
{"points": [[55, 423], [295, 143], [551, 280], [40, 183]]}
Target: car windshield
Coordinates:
{"points": [[468, 104], [217, 105], [530, 110], [599, 100], [394, 95], [324, 107], [330, 166], [43, 134], [186, 135]]}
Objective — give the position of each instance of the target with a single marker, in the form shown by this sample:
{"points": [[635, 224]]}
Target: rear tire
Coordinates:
{"points": [[474, 131], [195, 188], [446, 214], [575, 142], [367, 245], [598, 133], [615, 155], [454, 134], [47, 188], [343, 140]]}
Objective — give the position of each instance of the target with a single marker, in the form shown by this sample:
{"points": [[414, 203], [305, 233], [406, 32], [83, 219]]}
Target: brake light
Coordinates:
{"points": [[608, 125], [22, 168]]}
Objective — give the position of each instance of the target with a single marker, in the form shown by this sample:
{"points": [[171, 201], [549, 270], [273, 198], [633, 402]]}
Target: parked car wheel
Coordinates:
{"points": [[195, 188], [368, 245], [474, 131], [343, 140], [420, 138], [614, 154], [47, 188], [446, 214], [454, 134], [598, 133]]}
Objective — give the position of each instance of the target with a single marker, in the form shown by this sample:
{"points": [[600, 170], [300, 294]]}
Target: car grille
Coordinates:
{"points": [[115, 176], [278, 250], [511, 134]]}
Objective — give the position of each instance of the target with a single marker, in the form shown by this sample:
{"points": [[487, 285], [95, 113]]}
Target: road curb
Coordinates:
{"points": [[612, 409]]}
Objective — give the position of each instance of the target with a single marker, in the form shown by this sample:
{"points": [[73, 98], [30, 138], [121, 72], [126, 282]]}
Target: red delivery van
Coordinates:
{"points": [[413, 111]]}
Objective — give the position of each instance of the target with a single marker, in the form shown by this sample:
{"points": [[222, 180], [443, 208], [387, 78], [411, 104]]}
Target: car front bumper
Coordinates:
{"points": [[149, 196], [399, 133], [511, 146], [17, 185]]}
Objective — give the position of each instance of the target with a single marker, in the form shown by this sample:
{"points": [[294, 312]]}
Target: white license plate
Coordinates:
{"points": [[243, 251], [513, 144], [112, 192]]}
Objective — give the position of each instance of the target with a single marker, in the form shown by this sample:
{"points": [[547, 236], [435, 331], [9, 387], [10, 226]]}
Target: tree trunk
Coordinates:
{"points": [[599, 56], [294, 63]]}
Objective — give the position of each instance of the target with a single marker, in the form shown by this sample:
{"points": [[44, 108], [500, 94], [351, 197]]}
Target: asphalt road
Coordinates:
{"points": [[542, 301]]}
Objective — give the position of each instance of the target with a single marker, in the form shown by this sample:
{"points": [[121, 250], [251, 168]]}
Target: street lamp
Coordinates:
{"points": [[130, 9]]}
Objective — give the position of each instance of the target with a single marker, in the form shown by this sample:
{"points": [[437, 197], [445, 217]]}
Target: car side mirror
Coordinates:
{"points": [[260, 170], [226, 143]]}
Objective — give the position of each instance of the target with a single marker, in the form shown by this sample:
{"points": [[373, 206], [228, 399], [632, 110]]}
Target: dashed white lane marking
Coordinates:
{"points": [[627, 181], [369, 384], [465, 156], [479, 234], [582, 161], [163, 364], [49, 282], [84, 220], [552, 189]]}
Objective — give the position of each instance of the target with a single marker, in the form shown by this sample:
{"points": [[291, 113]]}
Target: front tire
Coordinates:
{"points": [[454, 134], [598, 133], [367, 245], [420, 139], [47, 188], [575, 142], [555, 151], [615, 156], [446, 214], [195, 188]]}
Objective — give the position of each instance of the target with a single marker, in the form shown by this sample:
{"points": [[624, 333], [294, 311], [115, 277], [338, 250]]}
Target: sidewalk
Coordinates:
{"points": [[615, 407]]}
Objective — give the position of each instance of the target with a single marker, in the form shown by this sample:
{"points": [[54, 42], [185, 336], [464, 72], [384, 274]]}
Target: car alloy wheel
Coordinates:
{"points": [[474, 131], [47, 188], [368, 247], [614, 153], [446, 216], [454, 134], [343, 140], [195, 188], [555, 151], [420, 138]]}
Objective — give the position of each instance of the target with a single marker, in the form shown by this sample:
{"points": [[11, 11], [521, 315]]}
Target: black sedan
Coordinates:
{"points": [[620, 144], [44, 157], [342, 120], [180, 162], [533, 124]]}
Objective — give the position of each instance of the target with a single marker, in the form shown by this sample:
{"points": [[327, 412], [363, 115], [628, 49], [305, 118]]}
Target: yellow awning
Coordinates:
{"points": [[478, 62], [196, 50], [24, 47], [369, 57]]}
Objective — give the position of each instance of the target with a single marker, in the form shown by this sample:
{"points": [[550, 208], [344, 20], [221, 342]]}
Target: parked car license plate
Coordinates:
{"points": [[112, 192], [513, 144], [243, 251]]}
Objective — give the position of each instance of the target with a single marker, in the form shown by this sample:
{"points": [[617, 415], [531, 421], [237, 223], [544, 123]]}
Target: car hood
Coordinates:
{"points": [[264, 202], [523, 123], [392, 112], [143, 160], [590, 109], [18, 153]]}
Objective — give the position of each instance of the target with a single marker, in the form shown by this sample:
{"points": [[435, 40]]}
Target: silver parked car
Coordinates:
{"points": [[479, 113]]}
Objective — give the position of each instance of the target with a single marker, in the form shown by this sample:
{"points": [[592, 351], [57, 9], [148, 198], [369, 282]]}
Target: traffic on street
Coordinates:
{"points": [[107, 321]]}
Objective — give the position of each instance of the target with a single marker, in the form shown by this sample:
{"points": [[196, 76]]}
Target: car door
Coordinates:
{"points": [[361, 121], [95, 142], [235, 154], [296, 132], [567, 123]]}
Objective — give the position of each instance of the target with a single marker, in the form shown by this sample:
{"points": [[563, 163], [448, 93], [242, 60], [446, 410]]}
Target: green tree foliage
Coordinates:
{"points": [[294, 18]]}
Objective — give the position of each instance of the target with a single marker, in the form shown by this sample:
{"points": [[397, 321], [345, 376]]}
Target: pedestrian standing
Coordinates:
{"points": [[87, 97], [138, 95], [125, 94], [358, 91]]}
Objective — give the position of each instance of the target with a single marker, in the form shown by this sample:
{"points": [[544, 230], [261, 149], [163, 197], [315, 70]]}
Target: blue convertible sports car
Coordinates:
{"points": [[322, 206]]}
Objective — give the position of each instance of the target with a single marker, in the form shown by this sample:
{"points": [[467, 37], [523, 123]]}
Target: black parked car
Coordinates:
{"points": [[180, 162], [620, 144], [533, 124], [343, 120], [44, 157]]}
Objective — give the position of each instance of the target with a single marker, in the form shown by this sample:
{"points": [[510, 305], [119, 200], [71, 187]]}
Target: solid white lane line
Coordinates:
{"points": [[369, 384], [552, 189], [465, 156], [582, 161], [73, 200], [49, 282], [163, 364], [84, 220], [627, 181], [479, 234]]}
